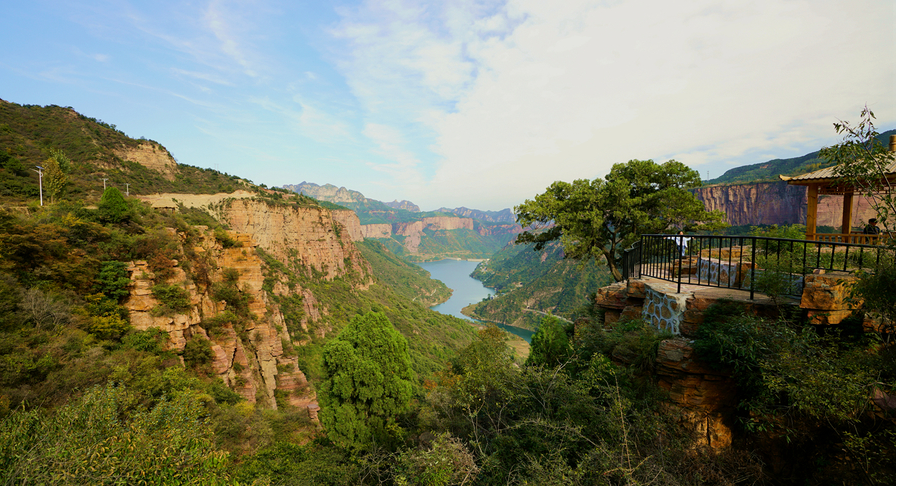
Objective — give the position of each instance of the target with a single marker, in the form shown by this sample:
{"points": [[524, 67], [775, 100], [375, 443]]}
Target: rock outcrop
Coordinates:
{"points": [[248, 351], [413, 231], [497, 229], [377, 230], [350, 221], [152, 156], [327, 192], [777, 203], [304, 238], [406, 205]]}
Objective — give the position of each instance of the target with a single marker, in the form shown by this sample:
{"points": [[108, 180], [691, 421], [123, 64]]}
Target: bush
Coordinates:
{"points": [[113, 207], [152, 340], [225, 239], [113, 280], [197, 352], [172, 298], [89, 442]]}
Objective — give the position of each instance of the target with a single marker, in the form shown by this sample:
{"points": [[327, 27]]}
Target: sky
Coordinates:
{"points": [[481, 104]]}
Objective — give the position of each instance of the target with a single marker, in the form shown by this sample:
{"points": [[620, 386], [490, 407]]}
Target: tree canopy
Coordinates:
{"points": [[864, 163], [369, 381], [600, 218]]}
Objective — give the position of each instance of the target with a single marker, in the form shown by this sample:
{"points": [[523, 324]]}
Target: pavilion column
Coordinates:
{"points": [[847, 202], [812, 212]]}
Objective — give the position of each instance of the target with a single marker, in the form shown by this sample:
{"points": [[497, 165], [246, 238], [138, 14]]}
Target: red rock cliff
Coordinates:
{"points": [[777, 203]]}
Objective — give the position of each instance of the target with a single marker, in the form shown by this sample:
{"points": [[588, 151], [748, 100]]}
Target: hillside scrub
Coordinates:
{"points": [[530, 283]]}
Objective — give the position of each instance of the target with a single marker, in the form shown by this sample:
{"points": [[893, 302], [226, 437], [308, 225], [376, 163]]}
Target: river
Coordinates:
{"points": [[456, 274]]}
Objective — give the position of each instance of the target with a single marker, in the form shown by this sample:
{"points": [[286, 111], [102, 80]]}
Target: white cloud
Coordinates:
{"points": [[391, 144], [223, 24], [532, 91]]}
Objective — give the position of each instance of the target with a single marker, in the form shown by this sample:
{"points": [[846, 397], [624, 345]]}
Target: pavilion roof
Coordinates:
{"points": [[828, 175]]}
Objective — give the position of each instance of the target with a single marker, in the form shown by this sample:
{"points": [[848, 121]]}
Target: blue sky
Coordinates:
{"points": [[461, 103]]}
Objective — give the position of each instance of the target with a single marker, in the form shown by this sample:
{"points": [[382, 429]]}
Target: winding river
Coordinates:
{"points": [[456, 274]]}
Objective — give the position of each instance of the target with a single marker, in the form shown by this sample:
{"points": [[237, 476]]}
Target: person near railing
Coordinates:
{"points": [[871, 228], [681, 240]]}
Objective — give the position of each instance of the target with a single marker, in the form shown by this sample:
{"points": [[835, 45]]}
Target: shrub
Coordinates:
{"points": [[172, 298], [113, 280], [237, 300], [113, 207], [197, 352], [225, 239], [150, 340]]}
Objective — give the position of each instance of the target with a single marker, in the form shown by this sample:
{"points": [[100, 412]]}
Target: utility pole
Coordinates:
{"points": [[104, 184], [40, 181], [126, 188]]}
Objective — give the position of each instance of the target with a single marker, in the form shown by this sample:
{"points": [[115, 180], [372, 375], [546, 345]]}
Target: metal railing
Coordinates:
{"points": [[738, 262]]}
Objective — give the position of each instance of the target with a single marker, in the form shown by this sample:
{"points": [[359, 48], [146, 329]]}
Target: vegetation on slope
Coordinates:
{"points": [[772, 169], [530, 283], [410, 281]]}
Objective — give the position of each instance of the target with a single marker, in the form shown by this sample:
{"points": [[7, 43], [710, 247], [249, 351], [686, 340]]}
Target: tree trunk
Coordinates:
{"points": [[615, 272]]}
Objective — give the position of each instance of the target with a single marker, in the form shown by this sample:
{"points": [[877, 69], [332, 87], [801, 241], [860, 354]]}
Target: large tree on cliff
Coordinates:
{"points": [[600, 218], [369, 381]]}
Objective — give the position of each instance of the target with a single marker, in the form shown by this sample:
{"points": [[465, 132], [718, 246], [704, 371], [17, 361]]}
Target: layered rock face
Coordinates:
{"points": [[377, 230], [350, 221], [777, 203], [414, 230], [152, 156], [248, 353], [327, 192], [302, 237], [498, 229]]}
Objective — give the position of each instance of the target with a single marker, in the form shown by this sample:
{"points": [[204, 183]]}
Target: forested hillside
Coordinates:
{"points": [[530, 283], [128, 315], [772, 169]]}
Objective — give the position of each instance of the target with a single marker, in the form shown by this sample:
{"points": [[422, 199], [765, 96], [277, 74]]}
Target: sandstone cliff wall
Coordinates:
{"points": [[248, 354], [777, 203], [377, 230], [151, 156], [300, 237], [412, 231], [499, 229], [350, 221]]}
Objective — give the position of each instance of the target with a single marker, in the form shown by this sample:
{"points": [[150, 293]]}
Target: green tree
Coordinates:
{"points": [[113, 207], [600, 218], [55, 179], [368, 381], [550, 345], [861, 161]]}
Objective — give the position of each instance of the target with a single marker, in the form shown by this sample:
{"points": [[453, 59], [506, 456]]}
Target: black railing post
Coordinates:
{"points": [[751, 294], [680, 265], [640, 256]]}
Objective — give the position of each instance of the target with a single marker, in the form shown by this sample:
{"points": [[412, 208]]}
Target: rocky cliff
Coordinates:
{"points": [[503, 216], [152, 156], [377, 230], [327, 192], [247, 345], [350, 221], [406, 205], [413, 231], [304, 238], [497, 229], [777, 203]]}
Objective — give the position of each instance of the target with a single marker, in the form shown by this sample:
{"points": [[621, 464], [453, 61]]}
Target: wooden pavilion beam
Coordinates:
{"points": [[847, 201], [812, 212]]}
